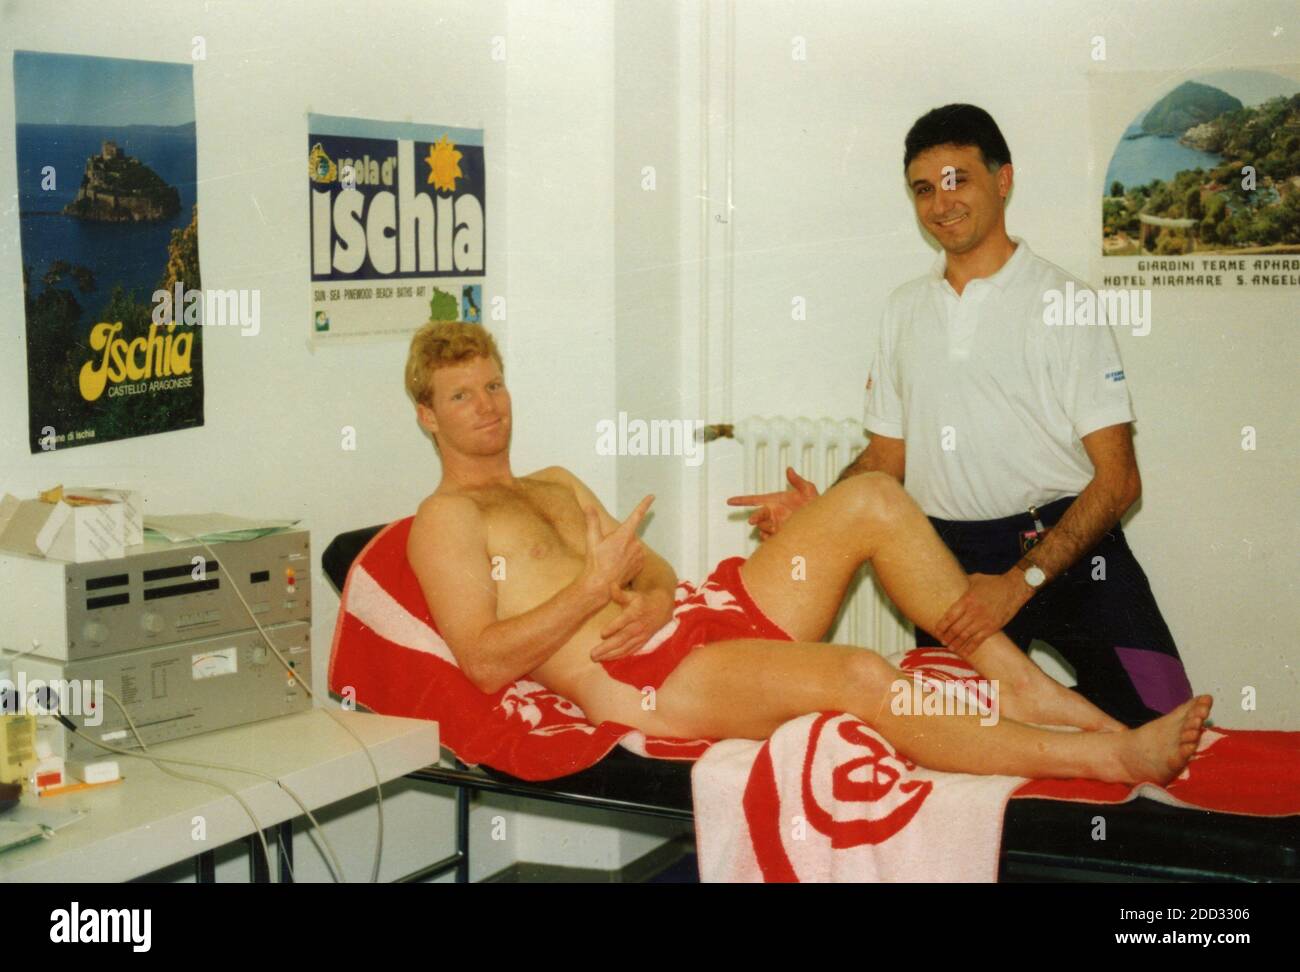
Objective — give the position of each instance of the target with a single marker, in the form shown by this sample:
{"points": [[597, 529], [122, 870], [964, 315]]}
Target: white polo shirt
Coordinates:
{"points": [[992, 402]]}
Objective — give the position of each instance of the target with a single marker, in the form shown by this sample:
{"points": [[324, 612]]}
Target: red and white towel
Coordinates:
{"points": [[825, 799]]}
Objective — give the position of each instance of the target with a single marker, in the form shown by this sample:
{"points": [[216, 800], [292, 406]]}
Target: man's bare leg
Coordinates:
{"points": [[870, 517], [747, 688]]}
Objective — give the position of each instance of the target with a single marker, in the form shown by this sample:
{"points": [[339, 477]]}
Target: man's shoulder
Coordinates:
{"points": [[552, 474], [441, 511], [1042, 274], [438, 503], [909, 290], [1036, 284], [564, 479], [1045, 283], [903, 302], [556, 476]]}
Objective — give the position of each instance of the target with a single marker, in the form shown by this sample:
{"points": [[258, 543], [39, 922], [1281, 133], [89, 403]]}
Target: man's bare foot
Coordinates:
{"points": [[1158, 751]]}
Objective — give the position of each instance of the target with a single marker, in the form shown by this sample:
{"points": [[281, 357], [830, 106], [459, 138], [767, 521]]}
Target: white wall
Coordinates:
{"points": [[647, 187]]}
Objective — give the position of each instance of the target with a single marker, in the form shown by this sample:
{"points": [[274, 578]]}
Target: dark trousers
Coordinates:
{"points": [[1099, 615]]}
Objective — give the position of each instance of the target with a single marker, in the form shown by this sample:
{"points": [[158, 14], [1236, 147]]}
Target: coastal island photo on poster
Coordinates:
{"points": [[108, 217], [1202, 179], [397, 223]]}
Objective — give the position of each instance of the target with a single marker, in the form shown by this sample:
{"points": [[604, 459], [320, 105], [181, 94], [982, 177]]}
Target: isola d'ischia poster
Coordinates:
{"points": [[108, 216]]}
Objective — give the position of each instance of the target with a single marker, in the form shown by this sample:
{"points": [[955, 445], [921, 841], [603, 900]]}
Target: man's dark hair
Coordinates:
{"points": [[957, 125]]}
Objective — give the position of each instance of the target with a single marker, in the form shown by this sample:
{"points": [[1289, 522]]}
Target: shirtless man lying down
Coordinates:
{"points": [[530, 576]]}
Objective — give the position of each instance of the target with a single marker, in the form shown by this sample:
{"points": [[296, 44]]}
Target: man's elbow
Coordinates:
{"points": [[487, 679], [1130, 491], [480, 669]]}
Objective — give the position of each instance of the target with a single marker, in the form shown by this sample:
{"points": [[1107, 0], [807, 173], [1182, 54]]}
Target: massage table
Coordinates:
{"points": [[1043, 840]]}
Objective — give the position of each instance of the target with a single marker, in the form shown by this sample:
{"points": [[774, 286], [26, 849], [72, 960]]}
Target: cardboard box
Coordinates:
{"points": [[85, 524]]}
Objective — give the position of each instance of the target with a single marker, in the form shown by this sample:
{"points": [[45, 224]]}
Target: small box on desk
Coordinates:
{"points": [[74, 525]]}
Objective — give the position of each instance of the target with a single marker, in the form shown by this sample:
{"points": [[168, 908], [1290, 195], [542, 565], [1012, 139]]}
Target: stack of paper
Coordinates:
{"points": [[211, 527]]}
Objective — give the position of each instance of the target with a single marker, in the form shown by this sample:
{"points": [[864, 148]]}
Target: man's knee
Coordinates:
{"points": [[867, 674], [875, 497]]}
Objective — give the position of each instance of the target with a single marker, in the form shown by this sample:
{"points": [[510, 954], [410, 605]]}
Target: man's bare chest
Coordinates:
{"points": [[533, 524]]}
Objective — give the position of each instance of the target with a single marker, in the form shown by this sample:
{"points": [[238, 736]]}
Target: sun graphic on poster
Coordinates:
{"points": [[444, 164]]}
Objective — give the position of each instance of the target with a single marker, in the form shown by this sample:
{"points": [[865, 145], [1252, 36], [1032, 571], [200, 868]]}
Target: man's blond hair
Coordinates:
{"points": [[439, 344]]}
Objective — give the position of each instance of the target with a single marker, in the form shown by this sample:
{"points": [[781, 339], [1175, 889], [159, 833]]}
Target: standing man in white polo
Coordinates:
{"points": [[1013, 435]]}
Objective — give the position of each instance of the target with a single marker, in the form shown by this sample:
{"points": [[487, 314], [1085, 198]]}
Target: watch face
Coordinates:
{"points": [[1034, 576]]}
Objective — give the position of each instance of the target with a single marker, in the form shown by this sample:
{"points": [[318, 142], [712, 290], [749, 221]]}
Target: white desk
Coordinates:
{"points": [[146, 822]]}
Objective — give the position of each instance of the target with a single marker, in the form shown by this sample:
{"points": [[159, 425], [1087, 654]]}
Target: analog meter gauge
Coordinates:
{"points": [[214, 662]]}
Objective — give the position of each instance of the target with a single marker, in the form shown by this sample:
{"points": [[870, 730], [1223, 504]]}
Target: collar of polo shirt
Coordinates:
{"points": [[999, 279]]}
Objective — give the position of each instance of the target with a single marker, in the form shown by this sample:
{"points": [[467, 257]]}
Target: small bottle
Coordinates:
{"points": [[17, 734]]}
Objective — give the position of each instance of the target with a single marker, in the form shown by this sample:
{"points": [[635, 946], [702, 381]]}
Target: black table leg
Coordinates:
{"points": [[463, 795], [205, 868]]}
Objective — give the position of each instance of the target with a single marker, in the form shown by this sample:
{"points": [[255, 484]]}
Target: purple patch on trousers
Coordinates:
{"points": [[1160, 679]]}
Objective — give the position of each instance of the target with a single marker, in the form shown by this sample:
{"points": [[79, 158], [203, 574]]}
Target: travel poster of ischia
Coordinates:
{"points": [[398, 226], [108, 219], [1201, 186]]}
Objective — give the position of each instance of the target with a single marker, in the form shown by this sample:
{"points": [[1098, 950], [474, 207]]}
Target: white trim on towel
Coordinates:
{"points": [[381, 613]]}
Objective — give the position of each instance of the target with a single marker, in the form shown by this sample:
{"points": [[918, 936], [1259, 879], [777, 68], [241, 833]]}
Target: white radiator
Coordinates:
{"points": [[819, 449]]}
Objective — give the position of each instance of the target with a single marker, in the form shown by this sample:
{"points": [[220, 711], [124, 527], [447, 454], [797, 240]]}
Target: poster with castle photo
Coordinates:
{"points": [[1200, 179], [107, 182]]}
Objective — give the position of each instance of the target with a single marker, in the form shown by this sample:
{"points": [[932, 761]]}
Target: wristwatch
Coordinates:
{"points": [[1034, 575]]}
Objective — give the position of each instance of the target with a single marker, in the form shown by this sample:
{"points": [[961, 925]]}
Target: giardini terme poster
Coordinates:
{"points": [[397, 225], [108, 219], [1201, 185]]}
